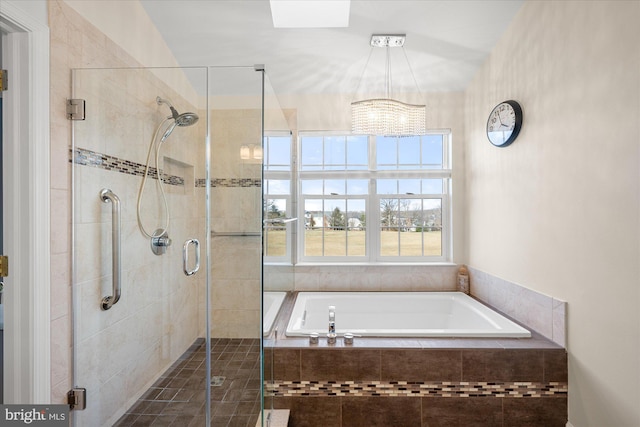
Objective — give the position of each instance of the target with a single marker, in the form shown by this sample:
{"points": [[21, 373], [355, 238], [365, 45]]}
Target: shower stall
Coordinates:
{"points": [[167, 243]]}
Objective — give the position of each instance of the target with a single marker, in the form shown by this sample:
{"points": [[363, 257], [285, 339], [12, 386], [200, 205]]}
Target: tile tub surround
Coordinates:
{"points": [[544, 314], [419, 387], [417, 382], [354, 277]]}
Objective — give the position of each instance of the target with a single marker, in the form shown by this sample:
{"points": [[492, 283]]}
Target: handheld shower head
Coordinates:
{"points": [[170, 129], [184, 119]]}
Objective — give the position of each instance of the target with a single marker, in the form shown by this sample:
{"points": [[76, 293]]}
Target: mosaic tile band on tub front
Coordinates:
{"points": [[416, 389]]}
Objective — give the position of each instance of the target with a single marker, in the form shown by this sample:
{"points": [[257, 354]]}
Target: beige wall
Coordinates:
{"points": [[558, 210]]}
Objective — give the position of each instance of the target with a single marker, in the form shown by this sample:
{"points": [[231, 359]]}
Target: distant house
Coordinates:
{"points": [[314, 220], [354, 224]]}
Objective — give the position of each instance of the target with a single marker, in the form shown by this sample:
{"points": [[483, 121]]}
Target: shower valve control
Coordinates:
{"points": [[160, 242]]}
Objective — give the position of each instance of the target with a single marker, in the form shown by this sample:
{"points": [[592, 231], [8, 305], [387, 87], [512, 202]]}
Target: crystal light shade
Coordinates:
{"points": [[387, 117]]}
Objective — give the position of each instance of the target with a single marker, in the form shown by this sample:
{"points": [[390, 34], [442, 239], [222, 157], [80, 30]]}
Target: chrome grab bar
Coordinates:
{"points": [[185, 257], [107, 196]]}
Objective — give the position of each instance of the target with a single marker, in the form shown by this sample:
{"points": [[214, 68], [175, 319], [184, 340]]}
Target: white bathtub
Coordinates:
{"points": [[399, 314], [272, 303]]}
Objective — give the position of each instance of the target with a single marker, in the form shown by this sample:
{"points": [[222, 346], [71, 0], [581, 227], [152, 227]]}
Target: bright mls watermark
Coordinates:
{"points": [[35, 415]]}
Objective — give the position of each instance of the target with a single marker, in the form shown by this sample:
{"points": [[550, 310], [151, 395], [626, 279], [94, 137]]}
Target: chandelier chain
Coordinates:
{"points": [[415, 82], [363, 71]]}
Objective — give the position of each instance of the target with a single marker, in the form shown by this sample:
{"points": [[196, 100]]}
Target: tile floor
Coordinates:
{"points": [[177, 398]]}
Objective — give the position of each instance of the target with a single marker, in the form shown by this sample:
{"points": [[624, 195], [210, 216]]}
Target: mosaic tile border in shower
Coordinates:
{"points": [[230, 182], [85, 157], [515, 389]]}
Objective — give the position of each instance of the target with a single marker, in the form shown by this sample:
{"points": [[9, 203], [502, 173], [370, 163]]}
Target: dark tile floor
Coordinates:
{"points": [[177, 398]]}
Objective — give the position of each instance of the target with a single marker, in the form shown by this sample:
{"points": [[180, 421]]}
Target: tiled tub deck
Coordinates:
{"points": [[416, 382]]}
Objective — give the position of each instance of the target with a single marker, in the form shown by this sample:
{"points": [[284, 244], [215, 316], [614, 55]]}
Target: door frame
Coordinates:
{"points": [[27, 357]]}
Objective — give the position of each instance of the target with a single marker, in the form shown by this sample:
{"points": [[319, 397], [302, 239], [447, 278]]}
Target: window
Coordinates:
{"points": [[358, 198], [278, 206]]}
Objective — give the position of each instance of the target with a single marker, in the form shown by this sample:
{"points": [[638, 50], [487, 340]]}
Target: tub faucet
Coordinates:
{"points": [[332, 319], [331, 336]]}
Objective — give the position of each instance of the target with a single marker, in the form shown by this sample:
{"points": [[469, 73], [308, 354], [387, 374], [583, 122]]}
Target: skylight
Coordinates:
{"points": [[310, 13]]}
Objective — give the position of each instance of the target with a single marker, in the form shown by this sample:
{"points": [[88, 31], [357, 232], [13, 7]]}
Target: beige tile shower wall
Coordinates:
{"points": [[128, 346], [157, 317], [235, 208]]}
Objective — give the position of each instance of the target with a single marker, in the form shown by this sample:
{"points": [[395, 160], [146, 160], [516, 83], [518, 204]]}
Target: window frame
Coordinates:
{"points": [[372, 201], [302, 230], [267, 175]]}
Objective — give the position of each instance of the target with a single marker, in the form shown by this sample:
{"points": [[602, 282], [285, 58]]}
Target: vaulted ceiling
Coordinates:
{"points": [[446, 42]]}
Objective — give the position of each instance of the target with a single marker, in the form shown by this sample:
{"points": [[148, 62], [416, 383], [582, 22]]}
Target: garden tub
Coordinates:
{"points": [[399, 314]]}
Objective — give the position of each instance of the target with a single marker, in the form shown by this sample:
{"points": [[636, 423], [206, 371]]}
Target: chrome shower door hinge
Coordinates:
{"points": [[77, 399], [4, 83], [76, 109]]}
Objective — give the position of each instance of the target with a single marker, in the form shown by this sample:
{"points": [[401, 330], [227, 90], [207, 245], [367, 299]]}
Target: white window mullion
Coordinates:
{"points": [[373, 225]]}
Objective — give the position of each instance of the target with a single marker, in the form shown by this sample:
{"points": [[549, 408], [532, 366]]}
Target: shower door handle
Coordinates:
{"points": [[107, 196], [185, 257]]}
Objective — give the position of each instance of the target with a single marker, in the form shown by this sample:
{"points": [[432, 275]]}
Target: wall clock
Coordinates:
{"points": [[504, 123]]}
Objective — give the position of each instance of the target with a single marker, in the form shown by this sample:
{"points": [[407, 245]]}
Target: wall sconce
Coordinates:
{"points": [[245, 152], [251, 152]]}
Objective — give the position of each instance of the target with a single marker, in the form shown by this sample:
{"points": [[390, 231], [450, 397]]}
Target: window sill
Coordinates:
{"points": [[370, 264]]}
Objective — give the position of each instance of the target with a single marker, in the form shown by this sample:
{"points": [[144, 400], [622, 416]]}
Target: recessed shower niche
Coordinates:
{"points": [[179, 175]]}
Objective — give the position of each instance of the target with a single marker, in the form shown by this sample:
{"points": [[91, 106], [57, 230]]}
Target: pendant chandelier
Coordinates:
{"points": [[387, 116]]}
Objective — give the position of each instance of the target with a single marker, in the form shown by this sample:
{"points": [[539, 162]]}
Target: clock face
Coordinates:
{"points": [[504, 123]]}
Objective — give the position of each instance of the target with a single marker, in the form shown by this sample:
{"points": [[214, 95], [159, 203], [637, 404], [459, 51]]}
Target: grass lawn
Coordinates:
{"points": [[337, 243]]}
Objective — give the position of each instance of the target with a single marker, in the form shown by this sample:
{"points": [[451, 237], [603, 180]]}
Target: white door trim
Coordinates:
{"points": [[27, 374]]}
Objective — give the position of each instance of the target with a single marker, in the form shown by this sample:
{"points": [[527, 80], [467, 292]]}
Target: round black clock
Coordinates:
{"points": [[504, 123]]}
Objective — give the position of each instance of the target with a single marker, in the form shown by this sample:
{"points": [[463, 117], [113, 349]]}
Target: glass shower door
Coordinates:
{"points": [[243, 107], [140, 244], [235, 99]]}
